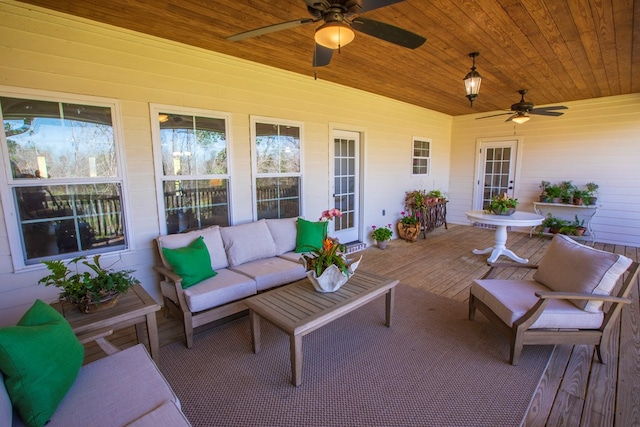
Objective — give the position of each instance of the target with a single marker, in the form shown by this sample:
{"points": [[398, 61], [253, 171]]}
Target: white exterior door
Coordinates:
{"points": [[346, 184], [496, 170]]}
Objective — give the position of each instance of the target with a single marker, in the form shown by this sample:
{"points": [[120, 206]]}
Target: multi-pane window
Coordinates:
{"points": [[63, 181], [193, 155], [421, 156], [277, 168]]}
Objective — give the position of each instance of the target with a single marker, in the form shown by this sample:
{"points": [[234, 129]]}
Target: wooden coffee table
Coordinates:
{"points": [[298, 309], [136, 307]]}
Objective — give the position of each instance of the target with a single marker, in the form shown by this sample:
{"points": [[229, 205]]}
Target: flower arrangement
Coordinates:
{"points": [[329, 214], [409, 219], [331, 253], [381, 234], [502, 204]]}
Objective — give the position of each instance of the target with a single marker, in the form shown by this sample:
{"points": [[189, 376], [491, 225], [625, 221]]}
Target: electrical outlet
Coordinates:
{"points": [[383, 212]]}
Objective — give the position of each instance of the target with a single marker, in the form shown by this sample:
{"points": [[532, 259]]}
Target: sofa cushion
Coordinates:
{"points": [[210, 235], [248, 242], [192, 262], [292, 256], [270, 272], [6, 410], [511, 299], [225, 287], [568, 266], [310, 234], [40, 358], [284, 232], [114, 391]]}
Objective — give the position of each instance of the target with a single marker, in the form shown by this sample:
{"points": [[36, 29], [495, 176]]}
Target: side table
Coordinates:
{"points": [[135, 308]]}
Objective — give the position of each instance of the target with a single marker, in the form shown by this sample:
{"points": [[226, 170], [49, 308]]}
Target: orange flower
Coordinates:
{"points": [[327, 244]]}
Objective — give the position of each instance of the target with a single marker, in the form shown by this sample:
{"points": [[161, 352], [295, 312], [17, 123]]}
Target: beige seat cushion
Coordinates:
{"points": [[511, 299], [569, 266]]}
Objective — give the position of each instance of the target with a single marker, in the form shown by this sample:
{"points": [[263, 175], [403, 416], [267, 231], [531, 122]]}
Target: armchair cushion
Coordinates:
{"points": [[40, 358], [569, 266], [511, 299]]}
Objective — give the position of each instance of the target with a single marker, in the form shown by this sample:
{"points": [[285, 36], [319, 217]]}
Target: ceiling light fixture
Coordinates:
{"points": [[472, 80], [521, 118], [334, 35]]}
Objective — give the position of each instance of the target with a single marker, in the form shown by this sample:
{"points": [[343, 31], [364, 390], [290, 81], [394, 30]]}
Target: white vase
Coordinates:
{"points": [[332, 278]]}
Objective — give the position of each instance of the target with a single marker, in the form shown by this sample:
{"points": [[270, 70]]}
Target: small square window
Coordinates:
{"points": [[421, 157]]}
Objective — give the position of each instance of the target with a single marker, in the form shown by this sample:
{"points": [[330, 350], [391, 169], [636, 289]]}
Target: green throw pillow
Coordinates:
{"points": [[310, 235], [40, 359], [192, 262]]}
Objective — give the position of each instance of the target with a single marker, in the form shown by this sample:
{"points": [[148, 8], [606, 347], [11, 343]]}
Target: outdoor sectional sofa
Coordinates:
{"points": [[246, 258]]}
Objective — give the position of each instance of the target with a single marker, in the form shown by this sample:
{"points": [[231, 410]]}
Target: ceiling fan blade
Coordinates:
{"points": [[545, 112], [367, 5], [494, 115], [553, 107], [388, 33], [322, 56], [269, 29]]}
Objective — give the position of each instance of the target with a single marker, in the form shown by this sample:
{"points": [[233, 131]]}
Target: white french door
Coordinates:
{"points": [[346, 184], [496, 170]]}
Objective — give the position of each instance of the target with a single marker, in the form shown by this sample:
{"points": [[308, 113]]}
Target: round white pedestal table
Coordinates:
{"points": [[517, 219]]}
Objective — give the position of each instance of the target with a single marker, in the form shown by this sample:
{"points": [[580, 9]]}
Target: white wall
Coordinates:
{"points": [[595, 140], [44, 50]]}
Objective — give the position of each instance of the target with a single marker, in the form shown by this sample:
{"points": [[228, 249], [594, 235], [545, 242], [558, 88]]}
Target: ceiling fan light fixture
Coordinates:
{"points": [[334, 35], [472, 80], [521, 118]]}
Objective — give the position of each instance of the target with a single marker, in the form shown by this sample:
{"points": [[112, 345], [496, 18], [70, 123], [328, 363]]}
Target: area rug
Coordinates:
{"points": [[433, 367]]}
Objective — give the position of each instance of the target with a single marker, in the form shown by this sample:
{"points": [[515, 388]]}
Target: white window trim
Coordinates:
{"points": [[413, 142], [254, 167], [154, 110], [10, 214]]}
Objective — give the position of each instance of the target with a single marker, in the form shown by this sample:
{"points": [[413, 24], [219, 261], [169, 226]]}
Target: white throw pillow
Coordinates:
{"points": [[569, 266], [212, 238], [248, 242], [284, 232]]}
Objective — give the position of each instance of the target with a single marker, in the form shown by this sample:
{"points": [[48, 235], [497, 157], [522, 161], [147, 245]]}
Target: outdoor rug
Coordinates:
{"points": [[433, 367]]}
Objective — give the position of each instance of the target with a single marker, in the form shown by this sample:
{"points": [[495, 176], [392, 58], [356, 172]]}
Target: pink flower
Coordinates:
{"points": [[373, 226], [329, 214]]}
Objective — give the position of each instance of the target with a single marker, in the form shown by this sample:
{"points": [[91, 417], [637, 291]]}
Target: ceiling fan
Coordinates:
{"points": [[340, 20], [521, 110]]}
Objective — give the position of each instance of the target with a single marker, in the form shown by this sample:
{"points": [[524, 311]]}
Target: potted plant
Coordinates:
{"points": [[580, 228], [327, 267], [434, 196], [409, 226], [381, 235], [554, 193], [544, 195], [502, 204], [89, 292], [414, 200], [592, 189], [566, 191], [579, 196]]}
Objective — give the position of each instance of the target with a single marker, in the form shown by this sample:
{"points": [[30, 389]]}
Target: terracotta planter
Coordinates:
{"points": [[408, 232]]}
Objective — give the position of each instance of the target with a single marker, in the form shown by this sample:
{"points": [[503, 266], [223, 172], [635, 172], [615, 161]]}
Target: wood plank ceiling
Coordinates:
{"points": [[561, 50]]}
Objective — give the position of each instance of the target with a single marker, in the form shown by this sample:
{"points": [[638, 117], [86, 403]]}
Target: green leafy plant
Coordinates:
{"points": [[502, 203], [435, 194], [414, 200], [332, 252], [381, 234], [409, 219], [85, 288]]}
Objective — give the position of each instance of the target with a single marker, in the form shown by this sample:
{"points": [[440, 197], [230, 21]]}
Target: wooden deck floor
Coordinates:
{"points": [[576, 390]]}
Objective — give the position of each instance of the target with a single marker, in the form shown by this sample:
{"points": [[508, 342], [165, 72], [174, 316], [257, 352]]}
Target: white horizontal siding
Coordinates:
{"points": [[595, 140], [41, 49]]}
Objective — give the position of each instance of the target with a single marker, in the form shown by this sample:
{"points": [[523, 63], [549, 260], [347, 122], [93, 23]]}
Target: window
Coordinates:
{"points": [[192, 163], [277, 169], [63, 183], [421, 156]]}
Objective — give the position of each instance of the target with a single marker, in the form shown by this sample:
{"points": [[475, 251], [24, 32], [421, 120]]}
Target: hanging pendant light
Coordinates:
{"points": [[472, 80]]}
